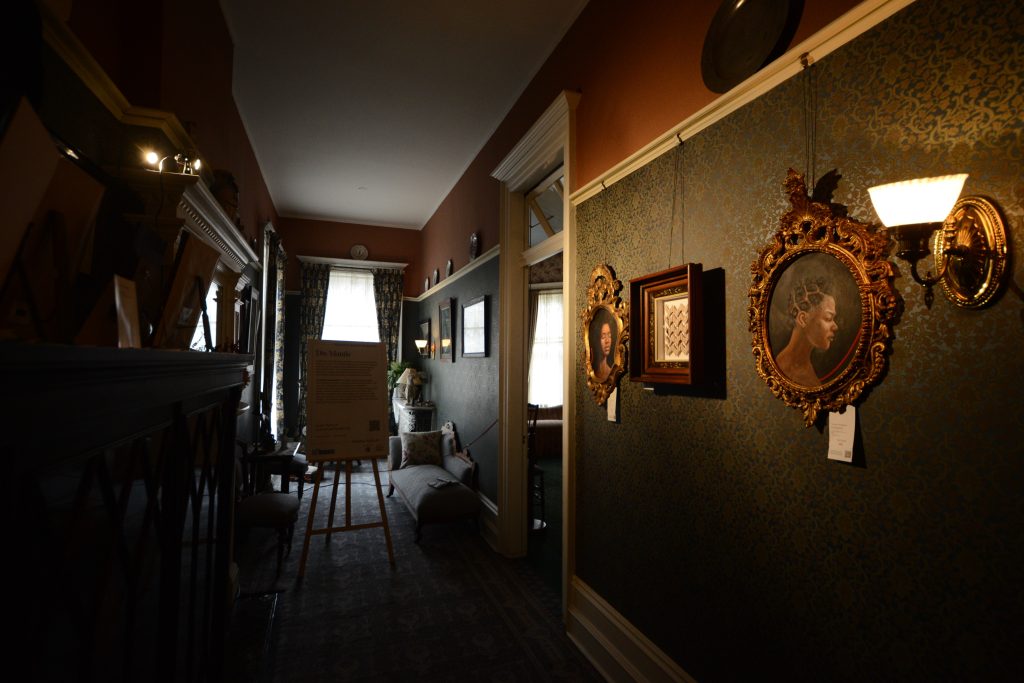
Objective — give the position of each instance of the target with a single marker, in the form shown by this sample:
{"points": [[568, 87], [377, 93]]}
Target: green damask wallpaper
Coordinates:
{"points": [[716, 525]]}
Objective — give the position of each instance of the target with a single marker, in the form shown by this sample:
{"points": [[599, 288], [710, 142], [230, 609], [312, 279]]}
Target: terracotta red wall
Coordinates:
{"points": [[126, 38], [637, 66], [177, 56], [328, 239]]}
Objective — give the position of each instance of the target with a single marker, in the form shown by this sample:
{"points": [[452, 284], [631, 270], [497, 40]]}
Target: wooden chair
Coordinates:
{"points": [[259, 463], [535, 485], [264, 510]]}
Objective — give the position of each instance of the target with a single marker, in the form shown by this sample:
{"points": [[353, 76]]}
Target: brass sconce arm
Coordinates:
{"points": [[969, 243], [912, 245]]}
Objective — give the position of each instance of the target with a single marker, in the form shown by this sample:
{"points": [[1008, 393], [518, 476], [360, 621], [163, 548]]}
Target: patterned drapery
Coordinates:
{"points": [[280, 259], [315, 277], [387, 291]]}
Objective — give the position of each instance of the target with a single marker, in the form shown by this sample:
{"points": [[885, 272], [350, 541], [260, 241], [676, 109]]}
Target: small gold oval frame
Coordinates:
{"points": [[828, 254], [604, 307]]}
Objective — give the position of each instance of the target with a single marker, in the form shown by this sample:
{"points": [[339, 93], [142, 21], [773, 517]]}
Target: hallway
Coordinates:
{"points": [[451, 610]]}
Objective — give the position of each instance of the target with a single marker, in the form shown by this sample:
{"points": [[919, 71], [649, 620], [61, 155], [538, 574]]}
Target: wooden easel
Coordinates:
{"points": [[349, 526]]}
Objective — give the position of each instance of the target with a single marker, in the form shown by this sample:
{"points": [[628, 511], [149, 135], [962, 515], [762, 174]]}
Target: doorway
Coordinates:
{"points": [[544, 398], [543, 150]]}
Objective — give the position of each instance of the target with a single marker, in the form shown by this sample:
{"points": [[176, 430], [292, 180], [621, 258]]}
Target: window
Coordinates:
{"points": [[199, 337], [545, 208], [545, 382], [351, 313]]}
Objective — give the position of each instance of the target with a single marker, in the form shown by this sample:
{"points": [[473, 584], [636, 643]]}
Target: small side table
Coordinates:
{"points": [[417, 418]]}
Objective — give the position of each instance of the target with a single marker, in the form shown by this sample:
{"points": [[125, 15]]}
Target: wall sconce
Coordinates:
{"points": [[967, 236], [423, 346], [185, 165]]}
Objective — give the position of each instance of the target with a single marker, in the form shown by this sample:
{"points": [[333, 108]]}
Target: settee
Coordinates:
{"points": [[548, 432], [433, 479]]}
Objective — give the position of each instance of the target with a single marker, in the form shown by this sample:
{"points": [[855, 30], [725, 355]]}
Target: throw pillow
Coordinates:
{"points": [[421, 448]]}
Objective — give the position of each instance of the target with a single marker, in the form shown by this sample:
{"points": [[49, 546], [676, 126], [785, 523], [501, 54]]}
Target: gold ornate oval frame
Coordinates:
{"points": [[810, 236], [604, 307]]}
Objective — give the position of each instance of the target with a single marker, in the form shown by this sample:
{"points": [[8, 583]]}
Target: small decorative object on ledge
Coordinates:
{"points": [[359, 252], [426, 284], [822, 305], [225, 190], [474, 245], [448, 268], [605, 332], [745, 36], [437, 276]]}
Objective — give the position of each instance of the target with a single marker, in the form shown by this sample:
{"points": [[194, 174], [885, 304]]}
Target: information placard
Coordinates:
{"points": [[346, 401]]}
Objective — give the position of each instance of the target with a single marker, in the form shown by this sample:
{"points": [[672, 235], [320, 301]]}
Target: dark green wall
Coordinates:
{"points": [[466, 391], [716, 525]]}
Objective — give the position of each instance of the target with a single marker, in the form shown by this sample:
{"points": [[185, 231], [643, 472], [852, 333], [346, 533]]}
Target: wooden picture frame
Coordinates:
{"points": [[667, 326], [822, 306], [605, 333], [446, 329], [474, 328]]}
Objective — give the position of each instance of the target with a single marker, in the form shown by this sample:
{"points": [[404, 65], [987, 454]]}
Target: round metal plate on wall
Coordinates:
{"points": [[449, 267], [437, 276], [474, 245], [359, 252], [744, 36]]}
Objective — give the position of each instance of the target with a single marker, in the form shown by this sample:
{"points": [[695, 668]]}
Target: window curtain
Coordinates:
{"points": [[532, 333], [545, 379], [277, 410], [315, 278], [387, 291]]}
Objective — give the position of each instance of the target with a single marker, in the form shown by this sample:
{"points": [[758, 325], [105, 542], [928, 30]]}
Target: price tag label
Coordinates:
{"points": [[842, 431]]}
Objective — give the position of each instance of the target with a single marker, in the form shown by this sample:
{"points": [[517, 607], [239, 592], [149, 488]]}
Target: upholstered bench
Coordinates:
{"points": [[433, 480]]}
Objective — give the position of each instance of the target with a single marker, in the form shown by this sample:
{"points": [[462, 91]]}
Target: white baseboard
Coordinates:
{"points": [[614, 646], [489, 521]]}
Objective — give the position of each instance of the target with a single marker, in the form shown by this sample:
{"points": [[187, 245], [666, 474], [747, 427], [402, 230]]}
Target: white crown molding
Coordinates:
{"points": [[205, 217], [860, 19], [352, 263], [540, 149], [70, 49], [613, 645], [467, 269]]}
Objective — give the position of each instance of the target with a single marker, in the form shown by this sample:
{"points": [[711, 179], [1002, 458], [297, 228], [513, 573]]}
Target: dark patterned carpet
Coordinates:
{"points": [[450, 610]]}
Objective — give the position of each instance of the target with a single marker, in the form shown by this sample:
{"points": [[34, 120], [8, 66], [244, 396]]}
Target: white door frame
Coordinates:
{"points": [[547, 144]]}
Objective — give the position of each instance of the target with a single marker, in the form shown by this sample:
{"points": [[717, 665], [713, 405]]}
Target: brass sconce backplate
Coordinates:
{"points": [[974, 241]]}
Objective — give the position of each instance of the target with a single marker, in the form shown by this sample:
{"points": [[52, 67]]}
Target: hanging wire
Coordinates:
{"points": [[810, 96], [676, 191]]}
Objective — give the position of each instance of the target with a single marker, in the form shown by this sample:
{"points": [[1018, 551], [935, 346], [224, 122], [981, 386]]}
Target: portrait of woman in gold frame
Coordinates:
{"points": [[822, 306], [605, 332]]}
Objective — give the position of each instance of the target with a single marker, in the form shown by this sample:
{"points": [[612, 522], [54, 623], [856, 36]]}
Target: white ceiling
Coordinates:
{"points": [[369, 111]]}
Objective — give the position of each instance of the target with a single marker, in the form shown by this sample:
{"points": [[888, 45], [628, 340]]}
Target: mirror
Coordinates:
{"points": [[423, 340], [474, 328], [446, 323]]}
